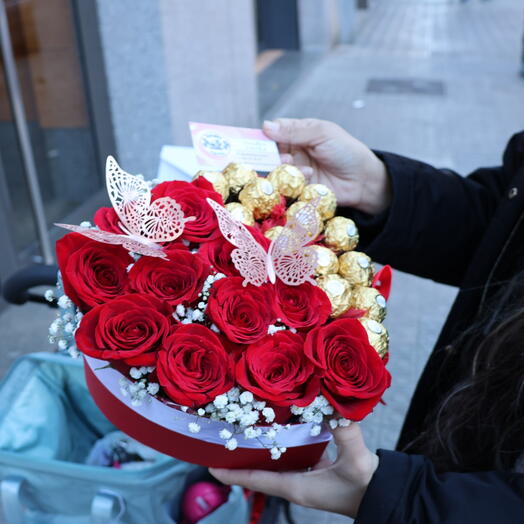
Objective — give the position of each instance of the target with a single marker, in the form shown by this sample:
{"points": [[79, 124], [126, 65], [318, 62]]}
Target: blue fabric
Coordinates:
{"points": [[48, 424]]}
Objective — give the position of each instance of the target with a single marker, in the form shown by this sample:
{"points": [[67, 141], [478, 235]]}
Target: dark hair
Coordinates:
{"points": [[479, 424]]}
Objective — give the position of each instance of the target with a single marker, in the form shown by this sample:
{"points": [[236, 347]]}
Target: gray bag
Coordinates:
{"points": [[48, 424]]}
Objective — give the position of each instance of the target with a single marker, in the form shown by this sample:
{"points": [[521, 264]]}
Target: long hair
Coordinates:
{"points": [[479, 424]]}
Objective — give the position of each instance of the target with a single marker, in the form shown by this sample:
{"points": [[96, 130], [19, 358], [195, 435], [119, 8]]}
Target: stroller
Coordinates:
{"points": [[48, 425]]}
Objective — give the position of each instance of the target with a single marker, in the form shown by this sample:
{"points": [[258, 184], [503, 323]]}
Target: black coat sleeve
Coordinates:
{"points": [[405, 489], [437, 217]]}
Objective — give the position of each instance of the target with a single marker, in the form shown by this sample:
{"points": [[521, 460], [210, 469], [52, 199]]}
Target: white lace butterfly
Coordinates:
{"points": [[144, 223], [288, 256]]}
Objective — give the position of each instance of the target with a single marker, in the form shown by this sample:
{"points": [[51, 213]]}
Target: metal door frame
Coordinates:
{"points": [[97, 100]]}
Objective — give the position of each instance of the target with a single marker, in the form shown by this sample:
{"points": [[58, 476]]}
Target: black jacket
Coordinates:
{"points": [[467, 232]]}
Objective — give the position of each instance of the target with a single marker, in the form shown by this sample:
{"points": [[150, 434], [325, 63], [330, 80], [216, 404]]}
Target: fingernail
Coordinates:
{"points": [[271, 126]]}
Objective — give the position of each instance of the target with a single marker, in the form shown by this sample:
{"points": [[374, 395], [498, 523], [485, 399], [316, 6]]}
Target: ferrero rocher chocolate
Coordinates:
{"points": [[293, 209], [356, 267], [339, 292], [377, 335], [341, 234], [260, 196], [273, 232], [327, 261], [370, 300], [241, 213], [238, 175], [288, 180], [327, 203], [217, 179]]}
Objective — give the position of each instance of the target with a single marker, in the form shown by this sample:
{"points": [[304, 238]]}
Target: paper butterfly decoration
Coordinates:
{"points": [[144, 223], [288, 256]]}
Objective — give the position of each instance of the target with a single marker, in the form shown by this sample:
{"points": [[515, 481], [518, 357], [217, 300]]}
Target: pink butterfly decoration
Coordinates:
{"points": [[288, 256], [144, 223]]}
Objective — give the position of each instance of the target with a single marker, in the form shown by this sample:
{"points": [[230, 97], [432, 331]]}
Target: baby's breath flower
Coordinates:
{"points": [[246, 397], [315, 430], [193, 427], [153, 388], [220, 401], [135, 373], [275, 453], [225, 434], [232, 444], [333, 423], [269, 414]]}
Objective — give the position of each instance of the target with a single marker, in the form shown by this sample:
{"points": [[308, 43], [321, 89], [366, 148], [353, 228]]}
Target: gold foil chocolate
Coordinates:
{"points": [[217, 179], [241, 213], [327, 261], [339, 292], [288, 180], [341, 234], [377, 334], [273, 232], [356, 267], [260, 196], [370, 300], [293, 209], [327, 203], [238, 175]]}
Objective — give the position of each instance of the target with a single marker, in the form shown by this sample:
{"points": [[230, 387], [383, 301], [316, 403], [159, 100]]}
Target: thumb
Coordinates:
{"points": [[296, 131], [350, 442]]}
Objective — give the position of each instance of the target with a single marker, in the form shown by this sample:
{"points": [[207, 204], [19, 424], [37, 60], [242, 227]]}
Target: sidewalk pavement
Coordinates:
{"points": [[438, 81]]}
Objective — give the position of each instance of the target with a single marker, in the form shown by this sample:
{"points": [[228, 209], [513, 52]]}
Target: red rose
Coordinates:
{"points": [[129, 328], [107, 220], [354, 375], [92, 272], [303, 306], [177, 281], [193, 367], [192, 199], [276, 369], [243, 314], [217, 253]]}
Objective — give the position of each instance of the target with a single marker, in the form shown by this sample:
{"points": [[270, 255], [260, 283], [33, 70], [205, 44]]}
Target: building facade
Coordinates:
{"points": [[81, 79]]}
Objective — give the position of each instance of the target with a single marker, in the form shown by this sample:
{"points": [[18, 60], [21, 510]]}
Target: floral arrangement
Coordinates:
{"points": [[233, 299]]}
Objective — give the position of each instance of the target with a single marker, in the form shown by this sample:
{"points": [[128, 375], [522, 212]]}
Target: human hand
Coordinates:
{"points": [[331, 486], [329, 155]]}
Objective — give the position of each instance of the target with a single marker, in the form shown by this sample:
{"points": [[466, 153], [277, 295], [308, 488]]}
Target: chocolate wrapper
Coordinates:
{"points": [[327, 203], [238, 175], [327, 261], [370, 300], [260, 196], [356, 267], [339, 292], [288, 180], [341, 234], [293, 209], [241, 213], [377, 335], [273, 232]]}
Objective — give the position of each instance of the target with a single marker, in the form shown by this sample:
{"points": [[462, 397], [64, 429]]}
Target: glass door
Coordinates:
{"points": [[44, 41]]}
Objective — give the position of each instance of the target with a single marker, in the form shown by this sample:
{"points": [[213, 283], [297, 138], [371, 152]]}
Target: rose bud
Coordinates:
{"points": [[277, 370], [129, 328], [193, 366], [92, 272], [243, 314], [354, 376]]}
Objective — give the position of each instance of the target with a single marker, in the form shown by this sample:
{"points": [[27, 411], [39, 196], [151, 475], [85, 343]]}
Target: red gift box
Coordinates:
{"points": [[164, 428]]}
